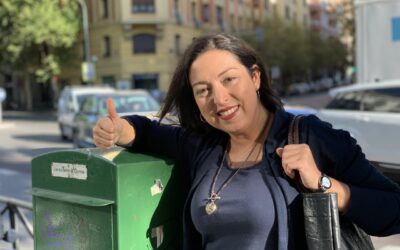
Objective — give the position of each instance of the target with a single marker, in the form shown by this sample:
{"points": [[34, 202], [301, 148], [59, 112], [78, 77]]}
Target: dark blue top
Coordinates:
{"points": [[335, 152], [241, 220]]}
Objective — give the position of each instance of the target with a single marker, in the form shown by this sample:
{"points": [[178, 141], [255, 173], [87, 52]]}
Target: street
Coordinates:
{"points": [[23, 137], [26, 135]]}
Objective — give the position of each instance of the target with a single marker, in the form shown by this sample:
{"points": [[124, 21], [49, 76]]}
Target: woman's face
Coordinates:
{"points": [[225, 91]]}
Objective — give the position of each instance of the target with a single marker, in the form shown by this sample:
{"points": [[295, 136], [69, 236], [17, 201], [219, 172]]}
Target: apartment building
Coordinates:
{"points": [[292, 10], [137, 43], [325, 17]]}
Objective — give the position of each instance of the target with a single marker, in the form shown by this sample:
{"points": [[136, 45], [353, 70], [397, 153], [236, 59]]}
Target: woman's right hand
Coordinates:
{"points": [[109, 129]]}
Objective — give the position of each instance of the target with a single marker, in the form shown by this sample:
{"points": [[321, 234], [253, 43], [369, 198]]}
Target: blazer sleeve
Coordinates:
{"points": [[154, 138], [375, 200]]}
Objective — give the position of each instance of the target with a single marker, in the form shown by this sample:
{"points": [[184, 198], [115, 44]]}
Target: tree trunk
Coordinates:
{"points": [[28, 92]]}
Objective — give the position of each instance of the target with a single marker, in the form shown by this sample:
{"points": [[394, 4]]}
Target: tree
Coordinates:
{"points": [[296, 62], [284, 46], [317, 48], [348, 28], [35, 35]]}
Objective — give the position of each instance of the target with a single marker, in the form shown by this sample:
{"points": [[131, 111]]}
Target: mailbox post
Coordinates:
{"points": [[95, 199]]}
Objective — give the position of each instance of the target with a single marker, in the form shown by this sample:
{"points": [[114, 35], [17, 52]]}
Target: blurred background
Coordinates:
{"points": [[337, 59], [309, 45]]}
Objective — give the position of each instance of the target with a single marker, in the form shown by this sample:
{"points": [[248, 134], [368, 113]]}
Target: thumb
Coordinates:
{"points": [[279, 151], [112, 113]]}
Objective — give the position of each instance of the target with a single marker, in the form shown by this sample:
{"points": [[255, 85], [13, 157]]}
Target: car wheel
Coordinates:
{"points": [[63, 136], [75, 139]]}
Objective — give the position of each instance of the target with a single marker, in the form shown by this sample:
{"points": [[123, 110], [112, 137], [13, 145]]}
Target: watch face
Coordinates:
{"points": [[325, 182]]}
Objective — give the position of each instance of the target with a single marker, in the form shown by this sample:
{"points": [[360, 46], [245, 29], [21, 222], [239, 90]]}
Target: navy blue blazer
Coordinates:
{"points": [[375, 200]]}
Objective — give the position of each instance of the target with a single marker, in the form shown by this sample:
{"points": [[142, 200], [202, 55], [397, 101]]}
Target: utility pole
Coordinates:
{"points": [[85, 23], [87, 68], [87, 65]]}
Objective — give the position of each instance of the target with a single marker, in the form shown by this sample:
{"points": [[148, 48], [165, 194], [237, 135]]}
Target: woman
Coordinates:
{"points": [[238, 170]]}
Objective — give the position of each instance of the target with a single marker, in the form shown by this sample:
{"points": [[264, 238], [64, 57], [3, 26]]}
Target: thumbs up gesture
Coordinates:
{"points": [[108, 130]]}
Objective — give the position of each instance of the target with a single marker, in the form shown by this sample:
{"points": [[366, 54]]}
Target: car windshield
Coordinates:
{"points": [[131, 103], [81, 98]]}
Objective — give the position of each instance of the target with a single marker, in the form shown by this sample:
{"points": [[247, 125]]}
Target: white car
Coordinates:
{"points": [[127, 102], [69, 103], [371, 113]]}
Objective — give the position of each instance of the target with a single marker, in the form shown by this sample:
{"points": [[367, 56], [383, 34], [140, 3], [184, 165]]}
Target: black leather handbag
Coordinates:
{"points": [[324, 227]]}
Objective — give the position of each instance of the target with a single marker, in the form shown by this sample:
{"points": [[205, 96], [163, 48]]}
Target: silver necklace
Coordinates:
{"points": [[211, 205]]}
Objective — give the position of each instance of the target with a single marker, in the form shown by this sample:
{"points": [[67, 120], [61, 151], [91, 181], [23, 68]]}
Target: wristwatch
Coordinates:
{"points": [[324, 183]]}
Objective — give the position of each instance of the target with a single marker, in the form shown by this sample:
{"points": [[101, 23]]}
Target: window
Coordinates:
{"points": [[287, 12], [346, 101], [382, 100], [194, 15], [206, 13], [178, 44], [144, 43], [108, 80], [145, 81], [143, 6], [104, 9], [106, 46], [220, 16], [232, 22], [266, 4], [178, 15], [89, 105]]}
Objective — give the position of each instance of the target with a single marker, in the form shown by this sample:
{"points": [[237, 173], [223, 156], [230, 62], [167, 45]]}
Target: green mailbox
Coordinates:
{"points": [[95, 199]]}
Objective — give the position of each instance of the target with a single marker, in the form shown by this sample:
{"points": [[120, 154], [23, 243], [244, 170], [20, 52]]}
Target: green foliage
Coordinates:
{"points": [[299, 53], [35, 33]]}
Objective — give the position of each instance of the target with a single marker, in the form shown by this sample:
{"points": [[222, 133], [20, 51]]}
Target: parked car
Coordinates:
{"points": [[297, 109], [69, 102], [300, 110], [371, 113], [126, 102]]}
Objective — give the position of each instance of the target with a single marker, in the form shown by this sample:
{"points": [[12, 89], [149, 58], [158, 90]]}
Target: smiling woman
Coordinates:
{"points": [[236, 171], [226, 93]]}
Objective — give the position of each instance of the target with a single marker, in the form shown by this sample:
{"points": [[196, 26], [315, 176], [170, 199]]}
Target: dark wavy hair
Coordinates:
{"points": [[180, 99]]}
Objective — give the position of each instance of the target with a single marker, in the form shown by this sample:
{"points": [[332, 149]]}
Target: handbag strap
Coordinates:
{"points": [[294, 138]]}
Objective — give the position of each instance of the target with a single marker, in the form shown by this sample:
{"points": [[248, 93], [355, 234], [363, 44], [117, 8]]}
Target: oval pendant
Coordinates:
{"points": [[211, 207]]}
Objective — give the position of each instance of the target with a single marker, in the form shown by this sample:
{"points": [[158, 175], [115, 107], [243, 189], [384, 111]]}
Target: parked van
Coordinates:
{"points": [[69, 103]]}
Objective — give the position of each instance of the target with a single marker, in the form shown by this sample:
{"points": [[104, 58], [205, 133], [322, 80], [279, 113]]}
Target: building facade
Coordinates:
{"points": [[292, 10], [325, 17], [137, 43]]}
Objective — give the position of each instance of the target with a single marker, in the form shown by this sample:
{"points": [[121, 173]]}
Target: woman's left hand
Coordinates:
{"points": [[298, 157]]}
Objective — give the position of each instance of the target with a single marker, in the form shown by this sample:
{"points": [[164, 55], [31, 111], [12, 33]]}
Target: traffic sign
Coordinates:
{"points": [[88, 72]]}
